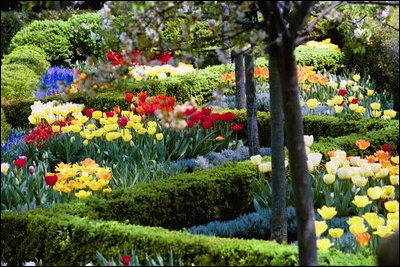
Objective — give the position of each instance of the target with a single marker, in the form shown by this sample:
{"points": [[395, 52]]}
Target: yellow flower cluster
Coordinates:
{"points": [[326, 44], [52, 112], [144, 72], [83, 177], [326, 213]]}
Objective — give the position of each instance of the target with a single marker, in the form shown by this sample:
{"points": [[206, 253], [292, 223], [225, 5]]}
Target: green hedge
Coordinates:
{"points": [[321, 126], [51, 36], [60, 239], [17, 82], [29, 55], [5, 127], [189, 199], [321, 59]]}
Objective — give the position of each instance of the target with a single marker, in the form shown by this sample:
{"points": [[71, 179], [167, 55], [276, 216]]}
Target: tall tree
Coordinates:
{"points": [[239, 81]]}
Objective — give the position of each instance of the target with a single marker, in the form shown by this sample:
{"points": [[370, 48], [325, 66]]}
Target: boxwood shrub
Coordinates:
{"points": [[5, 127], [61, 239], [321, 59]]}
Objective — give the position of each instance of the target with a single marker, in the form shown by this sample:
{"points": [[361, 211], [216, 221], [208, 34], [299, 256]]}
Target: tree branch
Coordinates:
{"points": [[324, 12], [299, 17], [382, 3]]}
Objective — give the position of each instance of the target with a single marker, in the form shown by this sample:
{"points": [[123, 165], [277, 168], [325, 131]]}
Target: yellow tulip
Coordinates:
{"points": [[359, 181], [393, 215], [383, 231], [392, 206], [83, 194], [312, 103], [374, 192], [324, 244], [395, 159], [330, 103], [360, 110], [332, 167], [329, 178], [344, 173], [85, 142], [136, 118], [338, 99], [127, 137], [91, 127], [376, 113], [327, 213], [336, 232], [55, 128], [382, 173], [151, 131], [361, 201], [106, 190], [370, 92], [387, 192], [374, 221], [338, 109], [256, 160], [390, 113], [356, 77], [353, 107], [357, 228], [141, 131], [320, 227], [97, 114], [394, 179], [152, 124], [159, 136], [375, 106], [393, 224]]}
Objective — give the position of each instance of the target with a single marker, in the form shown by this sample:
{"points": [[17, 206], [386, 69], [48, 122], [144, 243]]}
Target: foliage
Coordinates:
{"points": [[17, 82], [5, 127], [320, 58], [51, 36], [84, 44], [30, 57], [63, 14], [53, 237], [11, 23]]}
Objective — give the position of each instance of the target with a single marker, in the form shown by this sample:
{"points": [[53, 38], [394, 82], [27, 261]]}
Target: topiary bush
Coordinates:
{"points": [[17, 82], [83, 43], [321, 59], [50, 35], [5, 127], [31, 56]]}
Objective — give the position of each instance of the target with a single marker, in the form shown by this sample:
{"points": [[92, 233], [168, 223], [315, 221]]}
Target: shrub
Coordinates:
{"points": [[63, 14], [51, 36], [11, 23], [5, 127], [321, 59], [17, 82], [34, 59], [82, 42], [60, 239], [185, 200]]}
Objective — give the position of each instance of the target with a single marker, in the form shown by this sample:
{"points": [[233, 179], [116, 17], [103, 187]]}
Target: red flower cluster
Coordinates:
{"points": [[20, 162], [117, 58], [42, 132], [144, 105], [207, 119]]}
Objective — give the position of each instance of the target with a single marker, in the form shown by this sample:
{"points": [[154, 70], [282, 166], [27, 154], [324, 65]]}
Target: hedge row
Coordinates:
{"points": [[221, 193], [5, 127], [61, 239]]}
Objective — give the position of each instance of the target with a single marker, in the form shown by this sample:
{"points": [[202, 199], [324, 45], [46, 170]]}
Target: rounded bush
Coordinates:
{"points": [[321, 59], [81, 35], [17, 82], [27, 55], [51, 36], [5, 127]]}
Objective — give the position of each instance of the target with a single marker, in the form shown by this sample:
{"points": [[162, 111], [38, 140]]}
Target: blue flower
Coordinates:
{"points": [[14, 146], [50, 83]]}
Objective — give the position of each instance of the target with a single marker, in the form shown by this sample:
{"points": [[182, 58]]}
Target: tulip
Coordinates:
{"points": [[343, 83], [376, 113], [51, 179], [387, 192], [324, 244], [151, 131], [360, 110], [332, 167], [393, 224], [375, 222], [5, 167], [159, 136], [395, 159], [343, 92], [355, 220], [320, 227], [97, 114], [329, 178], [363, 239], [356, 77], [382, 173], [353, 107], [31, 169], [390, 113], [256, 160], [83, 194], [357, 228], [392, 206], [265, 167], [361, 201], [375, 106], [327, 213], [330, 103], [394, 179], [128, 97], [383, 231], [338, 109], [374, 192], [308, 140], [370, 92], [20, 162], [336, 232], [338, 100], [359, 181], [312, 103], [366, 170], [393, 215], [125, 260], [127, 137], [344, 173]]}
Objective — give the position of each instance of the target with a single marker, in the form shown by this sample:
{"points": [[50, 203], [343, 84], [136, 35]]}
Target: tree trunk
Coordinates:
{"points": [[252, 127], [297, 154], [226, 41], [278, 205], [240, 88]]}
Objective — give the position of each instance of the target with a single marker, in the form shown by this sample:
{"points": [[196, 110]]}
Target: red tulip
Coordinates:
{"points": [[128, 97], [125, 260], [51, 179], [354, 101], [387, 148], [228, 116], [237, 127], [383, 202], [190, 124], [142, 96], [207, 124], [206, 111], [343, 92], [89, 112], [109, 114], [20, 162], [123, 121]]}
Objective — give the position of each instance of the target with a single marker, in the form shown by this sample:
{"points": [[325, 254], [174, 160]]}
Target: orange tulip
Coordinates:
{"points": [[385, 163], [117, 110], [371, 159], [363, 239], [380, 154], [331, 153], [362, 144]]}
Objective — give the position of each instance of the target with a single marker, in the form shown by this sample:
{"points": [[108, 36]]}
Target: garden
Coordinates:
{"points": [[177, 133]]}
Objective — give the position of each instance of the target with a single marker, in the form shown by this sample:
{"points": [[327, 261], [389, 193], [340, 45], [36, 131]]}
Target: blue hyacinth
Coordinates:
{"points": [[14, 146], [49, 85]]}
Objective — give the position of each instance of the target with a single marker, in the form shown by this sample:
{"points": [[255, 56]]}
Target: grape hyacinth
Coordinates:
{"points": [[50, 82]]}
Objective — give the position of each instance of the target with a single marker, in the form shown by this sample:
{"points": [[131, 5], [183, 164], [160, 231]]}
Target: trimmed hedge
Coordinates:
{"points": [[17, 82], [321, 59], [51, 36], [29, 55], [60, 239], [5, 127], [188, 199]]}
